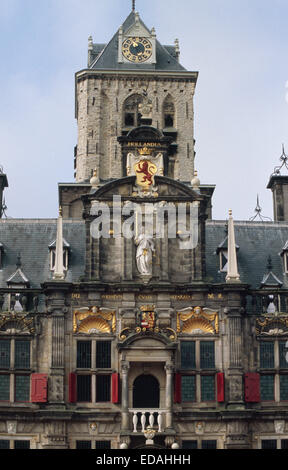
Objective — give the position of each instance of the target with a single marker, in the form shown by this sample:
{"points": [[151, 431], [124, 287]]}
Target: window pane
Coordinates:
{"points": [[22, 388], [188, 388], [266, 355], [283, 351], [269, 444], [103, 387], [21, 444], [189, 444], [22, 354], [284, 443], [84, 388], [84, 354], [4, 387], [267, 387], [103, 445], [4, 444], [103, 354], [4, 354], [188, 355], [209, 444], [207, 388], [284, 387], [83, 445], [207, 355]]}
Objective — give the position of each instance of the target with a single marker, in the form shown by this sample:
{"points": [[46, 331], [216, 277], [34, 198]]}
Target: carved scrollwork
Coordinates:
{"points": [[13, 323], [272, 325]]}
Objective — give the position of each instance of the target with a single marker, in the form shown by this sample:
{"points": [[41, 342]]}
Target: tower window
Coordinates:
{"points": [[131, 113], [168, 112]]}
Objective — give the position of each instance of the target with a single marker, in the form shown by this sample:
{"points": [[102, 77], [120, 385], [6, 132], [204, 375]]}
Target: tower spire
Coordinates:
{"points": [[133, 5]]}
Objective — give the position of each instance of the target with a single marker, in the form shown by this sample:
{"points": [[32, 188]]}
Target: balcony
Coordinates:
{"points": [[141, 418]]}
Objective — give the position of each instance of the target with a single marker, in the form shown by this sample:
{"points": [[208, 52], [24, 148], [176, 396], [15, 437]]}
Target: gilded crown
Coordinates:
{"points": [[145, 151]]}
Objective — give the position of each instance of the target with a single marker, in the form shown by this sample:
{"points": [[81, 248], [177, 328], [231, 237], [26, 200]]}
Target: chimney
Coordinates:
{"points": [[3, 185], [279, 186]]}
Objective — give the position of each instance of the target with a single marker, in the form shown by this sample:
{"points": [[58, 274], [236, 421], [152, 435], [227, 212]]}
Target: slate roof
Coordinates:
{"points": [[31, 238], [256, 241], [106, 56]]}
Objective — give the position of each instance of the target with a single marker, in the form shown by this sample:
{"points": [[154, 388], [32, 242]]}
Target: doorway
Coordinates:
{"points": [[146, 392]]}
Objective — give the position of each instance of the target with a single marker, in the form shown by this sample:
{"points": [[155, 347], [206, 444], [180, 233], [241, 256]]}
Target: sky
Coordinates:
{"points": [[238, 47]]}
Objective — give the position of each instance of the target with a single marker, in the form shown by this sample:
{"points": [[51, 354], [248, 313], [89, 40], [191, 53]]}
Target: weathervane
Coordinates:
{"points": [[258, 211], [284, 160]]}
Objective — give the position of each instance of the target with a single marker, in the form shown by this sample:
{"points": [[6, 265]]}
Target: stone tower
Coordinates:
{"points": [[121, 76]]}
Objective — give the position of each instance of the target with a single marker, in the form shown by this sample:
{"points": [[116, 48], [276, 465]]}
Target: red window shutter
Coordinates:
{"points": [[72, 388], [252, 387], [39, 383], [115, 388], [220, 387], [177, 388]]}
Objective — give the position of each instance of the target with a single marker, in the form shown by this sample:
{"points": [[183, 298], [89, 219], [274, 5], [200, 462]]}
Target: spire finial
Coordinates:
{"points": [[133, 5], [232, 271], [19, 263]]}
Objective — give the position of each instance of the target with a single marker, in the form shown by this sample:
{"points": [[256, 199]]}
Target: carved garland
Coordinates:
{"points": [[198, 319], [17, 323], [272, 326]]}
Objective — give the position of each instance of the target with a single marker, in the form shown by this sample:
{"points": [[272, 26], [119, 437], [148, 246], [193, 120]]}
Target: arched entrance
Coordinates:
{"points": [[146, 392]]}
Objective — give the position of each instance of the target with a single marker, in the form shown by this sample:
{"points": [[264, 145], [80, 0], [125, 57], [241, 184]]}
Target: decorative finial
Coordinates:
{"points": [[230, 212], [19, 263], [258, 211], [284, 160], [195, 183], [94, 181], [60, 211], [133, 5], [269, 263]]}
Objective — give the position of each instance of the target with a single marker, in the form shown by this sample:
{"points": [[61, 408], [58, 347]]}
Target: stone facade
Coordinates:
{"points": [[124, 340]]}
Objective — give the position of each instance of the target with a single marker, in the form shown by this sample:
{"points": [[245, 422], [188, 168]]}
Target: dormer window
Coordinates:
{"points": [[223, 260], [52, 250]]}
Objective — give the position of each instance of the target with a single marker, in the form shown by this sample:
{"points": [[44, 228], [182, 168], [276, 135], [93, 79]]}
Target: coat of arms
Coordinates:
{"points": [[145, 166], [147, 317]]}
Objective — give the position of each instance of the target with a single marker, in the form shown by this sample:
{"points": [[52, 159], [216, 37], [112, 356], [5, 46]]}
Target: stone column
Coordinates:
{"points": [[125, 395], [169, 393], [235, 370], [56, 292]]}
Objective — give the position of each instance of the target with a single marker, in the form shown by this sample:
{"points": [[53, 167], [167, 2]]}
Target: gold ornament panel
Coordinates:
{"points": [[94, 320], [197, 320]]}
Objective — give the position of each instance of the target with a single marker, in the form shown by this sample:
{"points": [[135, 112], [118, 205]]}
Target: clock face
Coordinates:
{"points": [[137, 49]]}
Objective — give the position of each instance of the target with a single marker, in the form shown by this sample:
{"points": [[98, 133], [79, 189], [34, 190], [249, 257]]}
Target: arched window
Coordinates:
{"points": [[168, 112], [131, 114]]}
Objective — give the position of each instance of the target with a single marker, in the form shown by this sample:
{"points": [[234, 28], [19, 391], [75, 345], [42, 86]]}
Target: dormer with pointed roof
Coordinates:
{"points": [[18, 278]]}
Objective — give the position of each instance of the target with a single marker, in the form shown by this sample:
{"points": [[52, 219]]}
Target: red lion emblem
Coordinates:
{"points": [[145, 170]]}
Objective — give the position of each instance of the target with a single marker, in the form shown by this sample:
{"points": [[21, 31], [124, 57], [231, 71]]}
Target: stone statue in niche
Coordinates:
{"points": [[144, 253]]}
